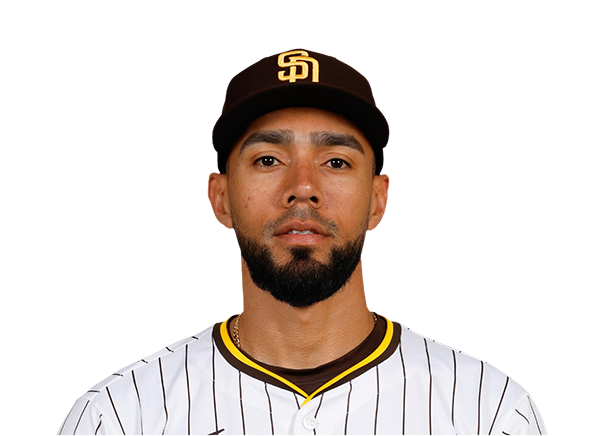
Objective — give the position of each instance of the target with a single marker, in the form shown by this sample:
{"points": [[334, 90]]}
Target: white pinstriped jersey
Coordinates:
{"points": [[205, 385]]}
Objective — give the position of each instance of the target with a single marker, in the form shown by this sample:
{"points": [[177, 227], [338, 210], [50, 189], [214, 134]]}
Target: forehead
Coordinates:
{"points": [[303, 122]]}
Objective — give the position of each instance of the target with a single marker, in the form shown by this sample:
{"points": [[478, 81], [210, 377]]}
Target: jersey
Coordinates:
{"points": [[206, 385]]}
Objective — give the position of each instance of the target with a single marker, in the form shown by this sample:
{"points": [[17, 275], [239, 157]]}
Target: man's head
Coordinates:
{"points": [[300, 192]]}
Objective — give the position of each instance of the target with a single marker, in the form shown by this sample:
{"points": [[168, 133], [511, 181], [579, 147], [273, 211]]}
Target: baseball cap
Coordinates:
{"points": [[299, 78]]}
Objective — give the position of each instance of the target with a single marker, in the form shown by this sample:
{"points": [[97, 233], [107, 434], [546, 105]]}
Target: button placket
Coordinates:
{"points": [[305, 422], [309, 422]]}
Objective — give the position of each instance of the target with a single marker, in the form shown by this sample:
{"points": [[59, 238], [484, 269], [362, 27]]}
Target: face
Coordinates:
{"points": [[300, 194]]}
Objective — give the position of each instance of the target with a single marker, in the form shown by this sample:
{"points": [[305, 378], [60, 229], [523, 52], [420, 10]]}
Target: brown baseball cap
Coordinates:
{"points": [[299, 78]]}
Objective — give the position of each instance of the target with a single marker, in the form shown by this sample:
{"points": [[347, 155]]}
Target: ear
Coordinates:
{"points": [[218, 194], [379, 196]]}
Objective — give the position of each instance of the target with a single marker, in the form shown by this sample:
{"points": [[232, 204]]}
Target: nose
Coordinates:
{"points": [[302, 186]]}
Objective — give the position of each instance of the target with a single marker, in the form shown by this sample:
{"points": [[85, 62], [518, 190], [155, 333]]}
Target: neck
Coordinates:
{"points": [[278, 334]]}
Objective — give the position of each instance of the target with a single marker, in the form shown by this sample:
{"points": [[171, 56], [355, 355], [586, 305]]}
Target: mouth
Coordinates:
{"points": [[298, 232], [301, 233], [301, 238]]}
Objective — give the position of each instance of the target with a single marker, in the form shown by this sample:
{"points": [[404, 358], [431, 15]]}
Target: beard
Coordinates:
{"points": [[303, 281]]}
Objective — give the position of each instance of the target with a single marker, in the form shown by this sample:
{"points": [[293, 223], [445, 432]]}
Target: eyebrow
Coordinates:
{"points": [[286, 137], [283, 137], [324, 139]]}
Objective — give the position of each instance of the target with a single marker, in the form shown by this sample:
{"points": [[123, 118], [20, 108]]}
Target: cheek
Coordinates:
{"points": [[250, 196], [249, 204], [348, 191], [349, 202]]}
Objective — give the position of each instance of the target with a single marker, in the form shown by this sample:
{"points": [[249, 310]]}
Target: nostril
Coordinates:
{"points": [[314, 199]]}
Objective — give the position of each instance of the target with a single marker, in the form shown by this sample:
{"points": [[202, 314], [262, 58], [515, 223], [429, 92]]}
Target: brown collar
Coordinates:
{"points": [[378, 346]]}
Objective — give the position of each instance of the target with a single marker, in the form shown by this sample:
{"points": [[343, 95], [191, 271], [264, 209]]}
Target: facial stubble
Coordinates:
{"points": [[302, 281]]}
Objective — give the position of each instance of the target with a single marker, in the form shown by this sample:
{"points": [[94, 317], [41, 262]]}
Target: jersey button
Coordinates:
{"points": [[309, 423]]}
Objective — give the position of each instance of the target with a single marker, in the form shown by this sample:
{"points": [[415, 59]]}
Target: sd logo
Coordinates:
{"points": [[297, 59]]}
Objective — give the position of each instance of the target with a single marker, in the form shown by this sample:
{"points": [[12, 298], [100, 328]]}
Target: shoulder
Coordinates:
{"points": [[462, 391], [525, 418], [445, 360], [143, 381], [476, 391], [146, 368], [464, 376]]}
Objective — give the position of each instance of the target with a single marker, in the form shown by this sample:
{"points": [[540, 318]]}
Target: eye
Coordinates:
{"points": [[338, 164], [266, 161]]}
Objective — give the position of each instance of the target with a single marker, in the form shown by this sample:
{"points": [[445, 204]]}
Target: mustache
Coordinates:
{"points": [[300, 214]]}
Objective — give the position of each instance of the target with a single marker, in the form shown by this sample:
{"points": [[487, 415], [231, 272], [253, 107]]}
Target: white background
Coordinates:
{"points": [[31, 32]]}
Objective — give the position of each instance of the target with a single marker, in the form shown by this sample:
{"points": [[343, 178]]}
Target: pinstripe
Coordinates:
{"points": [[484, 403], [348, 409], [479, 400], [80, 416], [320, 402], [377, 402], [115, 409], [430, 384], [162, 382], [454, 387], [213, 386], [534, 415], [242, 403], [499, 404], [524, 417], [99, 424], [187, 380], [270, 409], [404, 383], [317, 411], [65, 421], [296, 398], [137, 392]]}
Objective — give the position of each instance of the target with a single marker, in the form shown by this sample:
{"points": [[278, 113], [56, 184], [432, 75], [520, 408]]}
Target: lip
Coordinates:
{"points": [[297, 239], [319, 234], [301, 226]]}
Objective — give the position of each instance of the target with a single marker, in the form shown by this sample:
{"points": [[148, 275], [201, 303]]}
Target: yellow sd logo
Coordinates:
{"points": [[297, 58]]}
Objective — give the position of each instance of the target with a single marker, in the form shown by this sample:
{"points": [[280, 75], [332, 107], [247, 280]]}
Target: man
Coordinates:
{"points": [[300, 153]]}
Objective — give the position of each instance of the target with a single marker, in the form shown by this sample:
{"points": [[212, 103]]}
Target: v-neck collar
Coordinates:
{"points": [[351, 368]]}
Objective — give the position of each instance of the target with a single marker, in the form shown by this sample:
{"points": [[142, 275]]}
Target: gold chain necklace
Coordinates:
{"points": [[236, 328]]}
